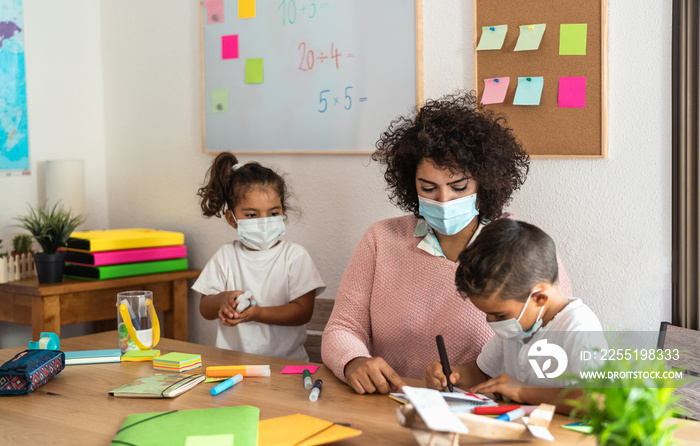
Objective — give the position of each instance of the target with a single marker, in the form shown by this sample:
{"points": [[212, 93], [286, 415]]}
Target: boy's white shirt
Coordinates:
{"points": [[570, 329], [276, 276]]}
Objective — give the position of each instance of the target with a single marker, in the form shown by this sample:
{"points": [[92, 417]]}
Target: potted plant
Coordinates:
{"points": [[633, 409], [51, 228]]}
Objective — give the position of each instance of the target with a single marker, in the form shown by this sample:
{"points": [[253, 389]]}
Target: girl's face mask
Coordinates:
{"points": [[260, 233]]}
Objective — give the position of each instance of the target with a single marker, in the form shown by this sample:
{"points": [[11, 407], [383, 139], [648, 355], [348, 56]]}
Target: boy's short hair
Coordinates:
{"points": [[508, 258]]}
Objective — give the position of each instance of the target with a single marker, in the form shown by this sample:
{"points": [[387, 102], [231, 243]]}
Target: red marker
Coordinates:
{"points": [[494, 410]]}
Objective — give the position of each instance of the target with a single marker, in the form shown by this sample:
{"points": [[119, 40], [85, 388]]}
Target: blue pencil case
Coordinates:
{"points": [[29, 370]]}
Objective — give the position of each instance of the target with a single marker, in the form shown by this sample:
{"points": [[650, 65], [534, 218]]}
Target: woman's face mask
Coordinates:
{"points": [[450, 217]]}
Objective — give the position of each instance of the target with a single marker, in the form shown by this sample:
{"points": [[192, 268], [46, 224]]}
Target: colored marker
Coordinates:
{"points": [[132, 315], [493, 410], [244, 301], [512, 415], [443, 360], [231, 370], [307, 379], [316, 391], [217, 389]]}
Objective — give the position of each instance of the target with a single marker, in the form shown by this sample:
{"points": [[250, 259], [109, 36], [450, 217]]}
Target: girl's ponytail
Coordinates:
{"points": [[217, 192]]}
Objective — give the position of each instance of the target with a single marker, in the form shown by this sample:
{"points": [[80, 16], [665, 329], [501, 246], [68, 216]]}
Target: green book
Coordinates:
{"points": [[124, 270], [192, 427], [158, 385]]}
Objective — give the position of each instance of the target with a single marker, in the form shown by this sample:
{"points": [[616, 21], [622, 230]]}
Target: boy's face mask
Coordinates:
{"points": [[450, 217], [260, 233], [510, 329]]}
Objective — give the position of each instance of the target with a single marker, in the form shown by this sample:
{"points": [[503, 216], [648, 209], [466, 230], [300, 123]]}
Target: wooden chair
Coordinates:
{"points": [[315, 327], [688, 342]]}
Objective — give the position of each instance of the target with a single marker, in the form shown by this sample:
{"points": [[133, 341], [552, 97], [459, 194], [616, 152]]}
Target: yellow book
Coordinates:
{"points": [[301, 430], [118, 239]]}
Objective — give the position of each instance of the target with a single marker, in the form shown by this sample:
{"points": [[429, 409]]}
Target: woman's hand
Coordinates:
{"points": [[370, 375], [435, 377]]}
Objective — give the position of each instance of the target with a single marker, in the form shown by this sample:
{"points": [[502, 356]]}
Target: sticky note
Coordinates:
{"points": [[530, 37], [219, 101], [529, 91], [492, 37], [246, 9], [210, 440], [254, 71], [572, 92], [495, 90], [229, 47], [215, 11], [298, 369], [572, 39]]}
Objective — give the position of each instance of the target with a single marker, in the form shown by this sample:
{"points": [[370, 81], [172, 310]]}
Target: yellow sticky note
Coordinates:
{"points": [[246, 9]]}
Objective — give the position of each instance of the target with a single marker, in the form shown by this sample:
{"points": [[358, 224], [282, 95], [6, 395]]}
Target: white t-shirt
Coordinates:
{"points": [[575, 329], [276, 276]]}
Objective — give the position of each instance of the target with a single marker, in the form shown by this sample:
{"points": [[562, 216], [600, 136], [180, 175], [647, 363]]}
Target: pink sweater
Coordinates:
{"points": [[394, 299]]}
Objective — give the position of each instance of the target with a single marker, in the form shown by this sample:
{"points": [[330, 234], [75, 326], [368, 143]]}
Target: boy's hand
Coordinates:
{"points": [[370, 375], [435, 378], [227, 307], [504, 385]]}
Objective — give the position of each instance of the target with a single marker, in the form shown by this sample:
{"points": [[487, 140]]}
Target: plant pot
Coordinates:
{"points": [[49, 267]]}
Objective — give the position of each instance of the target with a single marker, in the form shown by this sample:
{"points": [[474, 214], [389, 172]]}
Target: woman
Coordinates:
{"points": [[452, 166]]}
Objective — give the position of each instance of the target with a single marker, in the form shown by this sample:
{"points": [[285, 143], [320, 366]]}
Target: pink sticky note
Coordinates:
{"points": [[229, 47], [299, 369], [215, 11], [495, 90], [572, 92]]}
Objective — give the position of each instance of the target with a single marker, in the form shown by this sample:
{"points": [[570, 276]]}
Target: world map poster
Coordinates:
{"points": [[14, 145]]}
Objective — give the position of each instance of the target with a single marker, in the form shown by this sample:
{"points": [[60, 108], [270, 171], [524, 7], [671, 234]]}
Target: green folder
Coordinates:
{"points": [[124, 269], [174, 428]]}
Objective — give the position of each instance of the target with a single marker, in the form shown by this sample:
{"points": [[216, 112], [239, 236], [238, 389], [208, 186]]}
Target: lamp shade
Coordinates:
{"points": [[65, 182]]}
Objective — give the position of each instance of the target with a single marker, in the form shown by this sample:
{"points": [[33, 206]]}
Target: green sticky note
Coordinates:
{"points": [[578, 427], [219, 101], [529, 91], [210, 440], [492, 37], [572, 39], [254, 71], [530, 37]]}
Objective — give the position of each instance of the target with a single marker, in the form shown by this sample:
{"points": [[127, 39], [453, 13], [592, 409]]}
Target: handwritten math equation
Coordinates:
{"points": [[329, 99], [290, 11], [308, 58]]}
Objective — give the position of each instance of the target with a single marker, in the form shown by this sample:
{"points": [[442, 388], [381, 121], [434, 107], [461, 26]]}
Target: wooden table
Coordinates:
{"points": [[47, 307], [74, 408]]}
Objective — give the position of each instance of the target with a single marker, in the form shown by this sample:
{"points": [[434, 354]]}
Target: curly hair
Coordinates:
{"points": [[225, 185], [457, 133]]}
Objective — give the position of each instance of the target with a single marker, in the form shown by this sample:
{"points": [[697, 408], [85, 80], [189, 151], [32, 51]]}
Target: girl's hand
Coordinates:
{"points": [[503, 384], [250, 314], [435, 377], [227, 305]]}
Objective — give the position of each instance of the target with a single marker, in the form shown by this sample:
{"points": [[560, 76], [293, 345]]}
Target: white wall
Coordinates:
{"points": [[610, 218]]}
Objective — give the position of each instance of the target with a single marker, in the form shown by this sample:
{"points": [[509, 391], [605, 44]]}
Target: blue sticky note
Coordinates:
{"points": [[529, 91]]}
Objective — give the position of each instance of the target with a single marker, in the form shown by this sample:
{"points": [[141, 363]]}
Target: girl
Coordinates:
{"points": [[281, 275]]}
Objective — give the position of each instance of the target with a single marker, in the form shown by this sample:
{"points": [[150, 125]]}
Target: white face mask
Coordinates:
{"points": [[260, 233], [511, 328]]}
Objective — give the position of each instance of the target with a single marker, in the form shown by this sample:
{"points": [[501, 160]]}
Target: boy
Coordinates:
{"points": [[510, 273]]}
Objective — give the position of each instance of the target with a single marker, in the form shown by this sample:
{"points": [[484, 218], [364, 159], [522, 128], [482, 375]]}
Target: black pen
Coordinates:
{"points": [[443, 360]]}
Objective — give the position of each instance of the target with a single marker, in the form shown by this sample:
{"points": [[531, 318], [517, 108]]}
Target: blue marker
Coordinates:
{"points": [[226, 384], [512, 415], [316, 391], [132, 315]]}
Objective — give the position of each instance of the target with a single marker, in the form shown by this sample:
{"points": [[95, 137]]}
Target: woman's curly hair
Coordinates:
{"points": [[457, 133]]}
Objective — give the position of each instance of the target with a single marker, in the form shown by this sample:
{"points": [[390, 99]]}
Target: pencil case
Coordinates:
{"points": [[29, 370]]}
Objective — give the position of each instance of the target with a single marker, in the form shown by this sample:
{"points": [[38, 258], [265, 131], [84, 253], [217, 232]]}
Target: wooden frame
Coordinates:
{"points": [[548, 131], [418, 29]]}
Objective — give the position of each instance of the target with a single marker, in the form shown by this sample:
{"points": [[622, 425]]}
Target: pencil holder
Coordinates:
{"points": [[137, 321]]}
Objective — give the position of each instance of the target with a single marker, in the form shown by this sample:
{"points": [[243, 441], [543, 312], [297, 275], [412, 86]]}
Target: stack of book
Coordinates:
{"points": [[117, 253], [177, 362]]}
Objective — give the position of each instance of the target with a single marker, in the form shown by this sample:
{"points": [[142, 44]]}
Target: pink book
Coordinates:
{"points": [[126, 256]]}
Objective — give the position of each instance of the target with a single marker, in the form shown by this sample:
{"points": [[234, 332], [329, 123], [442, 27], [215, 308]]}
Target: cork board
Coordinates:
{"points": [[548, 130]]}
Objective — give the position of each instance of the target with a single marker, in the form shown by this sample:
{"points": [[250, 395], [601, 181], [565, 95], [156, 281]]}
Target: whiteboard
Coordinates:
{"points": [[335, 73]]}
